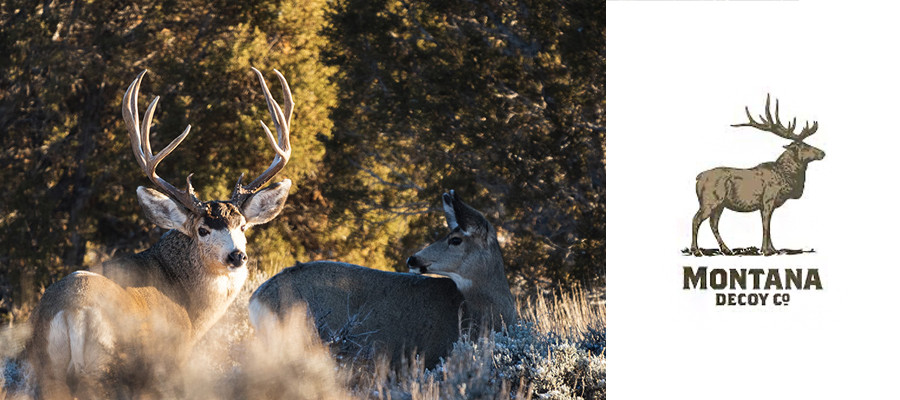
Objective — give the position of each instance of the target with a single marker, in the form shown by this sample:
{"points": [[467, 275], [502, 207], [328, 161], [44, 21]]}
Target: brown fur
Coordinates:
{"points": [[138, 322], [121, 330], [222, 215], [124, 328], [764, 188]]}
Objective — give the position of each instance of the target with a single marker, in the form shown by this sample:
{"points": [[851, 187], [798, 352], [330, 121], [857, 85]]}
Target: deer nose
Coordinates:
{"points": [[237, 258], [414, 263]]}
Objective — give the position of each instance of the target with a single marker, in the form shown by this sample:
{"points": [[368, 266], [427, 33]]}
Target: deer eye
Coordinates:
{"points": [[455, 241], [203, 231], [243, 228]]}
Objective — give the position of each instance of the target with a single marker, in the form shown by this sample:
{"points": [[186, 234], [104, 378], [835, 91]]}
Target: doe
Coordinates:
{"points": [[397, 314]]}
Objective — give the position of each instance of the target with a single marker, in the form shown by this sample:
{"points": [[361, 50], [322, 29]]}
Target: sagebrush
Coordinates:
{"points": [[556, 351]]}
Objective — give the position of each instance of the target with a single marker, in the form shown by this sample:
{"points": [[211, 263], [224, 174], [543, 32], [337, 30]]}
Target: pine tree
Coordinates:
{"points": [[68, 175], [500, 100]]}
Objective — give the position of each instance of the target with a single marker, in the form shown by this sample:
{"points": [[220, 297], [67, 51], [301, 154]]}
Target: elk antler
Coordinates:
{"points": [[139, 133], [282, 120], [776, 127]]}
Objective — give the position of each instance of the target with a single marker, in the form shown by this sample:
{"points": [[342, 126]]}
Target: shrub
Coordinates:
{"points": [[556, 351]]}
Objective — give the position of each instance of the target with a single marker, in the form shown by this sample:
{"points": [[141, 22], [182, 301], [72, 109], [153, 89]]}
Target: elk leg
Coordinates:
{"points": [[714, 224], [767, 247], [701, 215]]}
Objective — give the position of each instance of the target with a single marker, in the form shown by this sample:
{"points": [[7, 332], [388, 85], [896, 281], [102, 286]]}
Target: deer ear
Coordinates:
{"points": [[266, 204], [162, 210], [449, 211], [467, 218]]}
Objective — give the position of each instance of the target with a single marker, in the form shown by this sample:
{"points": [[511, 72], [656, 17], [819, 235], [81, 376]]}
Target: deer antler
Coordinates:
{"points": [[282, 146], [776, 127], [139, 133]]}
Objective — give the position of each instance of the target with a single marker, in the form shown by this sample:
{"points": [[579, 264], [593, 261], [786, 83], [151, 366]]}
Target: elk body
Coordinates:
{"points": [[120, 330], [398, 313], [762, 188]]}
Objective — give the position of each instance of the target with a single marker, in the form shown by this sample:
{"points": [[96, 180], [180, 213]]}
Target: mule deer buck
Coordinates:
{"points": [[119, 330], [764, 187], [397, 313]]}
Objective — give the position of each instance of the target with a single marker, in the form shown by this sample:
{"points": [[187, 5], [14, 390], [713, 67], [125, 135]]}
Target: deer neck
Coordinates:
{"points": [[794, 172], [205, 291], [487, 294]]}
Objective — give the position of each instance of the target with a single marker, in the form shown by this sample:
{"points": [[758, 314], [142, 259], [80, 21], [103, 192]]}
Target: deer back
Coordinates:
{"points": [[86, 323], [386, 312]]}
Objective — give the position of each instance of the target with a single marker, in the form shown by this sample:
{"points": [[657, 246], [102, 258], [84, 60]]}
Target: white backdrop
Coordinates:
{"points": [[679, 73]]}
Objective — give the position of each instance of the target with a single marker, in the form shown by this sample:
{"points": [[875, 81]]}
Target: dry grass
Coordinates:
{"points": [[556, 351], [572, 313], [291, 363]]}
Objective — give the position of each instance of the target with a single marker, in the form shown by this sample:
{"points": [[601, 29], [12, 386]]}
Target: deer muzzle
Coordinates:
{"points": [[237, 258], [416, 265]]}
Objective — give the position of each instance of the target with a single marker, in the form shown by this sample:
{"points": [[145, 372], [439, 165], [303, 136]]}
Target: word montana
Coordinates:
{"points": [[752, 278]]}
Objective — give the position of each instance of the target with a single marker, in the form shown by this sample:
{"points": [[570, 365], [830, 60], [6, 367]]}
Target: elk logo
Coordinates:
{"points": [[764, 187]]}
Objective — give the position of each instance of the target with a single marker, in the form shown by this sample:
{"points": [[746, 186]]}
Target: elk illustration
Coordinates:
{"points": [[400, 313], [764, 187], [118, 330]]}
